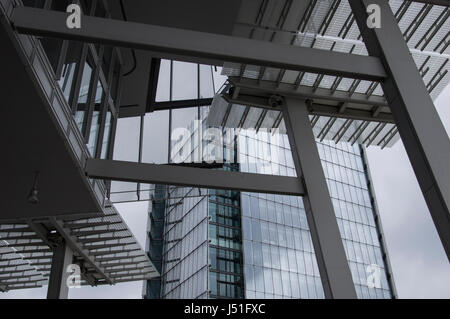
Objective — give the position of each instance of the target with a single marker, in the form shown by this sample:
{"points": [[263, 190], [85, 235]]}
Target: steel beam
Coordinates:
{"points": [[331, 259], [190, 176], [57, 283], [350, 112], [421, 130], [220, 48], [305, 92]]}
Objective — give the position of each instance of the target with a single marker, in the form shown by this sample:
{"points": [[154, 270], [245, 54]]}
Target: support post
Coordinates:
{"points": [[331, 259], [423, 134], [57, 284]]}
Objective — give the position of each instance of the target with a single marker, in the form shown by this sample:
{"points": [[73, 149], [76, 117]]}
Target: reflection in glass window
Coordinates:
{"points": [[81, 111], [106, 135], [96, 119]]}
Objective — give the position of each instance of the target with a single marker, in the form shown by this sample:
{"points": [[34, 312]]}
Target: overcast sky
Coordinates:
{"points": [[420, 266]]}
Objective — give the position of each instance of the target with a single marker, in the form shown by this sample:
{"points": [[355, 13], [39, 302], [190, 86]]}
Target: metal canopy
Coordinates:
{"points": [[330, 25], [334, 115], [104, 247]]}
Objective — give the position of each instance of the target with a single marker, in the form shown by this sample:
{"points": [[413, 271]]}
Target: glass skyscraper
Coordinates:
{"points": [[230, 244]]}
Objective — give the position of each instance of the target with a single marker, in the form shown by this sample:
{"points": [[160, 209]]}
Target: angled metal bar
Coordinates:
{"points": [[219, 48], [19, 237], [189, 176], [119, 264], [129, 269], [38, 244], [102, 246], [113, 252], [133, 275], [40, 231], [96, 232], [73, 226], [26, 251], [331, 259], [99, 239], [423, 134]]}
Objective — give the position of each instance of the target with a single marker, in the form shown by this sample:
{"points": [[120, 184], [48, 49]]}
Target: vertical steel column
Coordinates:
{"points": [[418, 122], [333, 266], [57, 284]]}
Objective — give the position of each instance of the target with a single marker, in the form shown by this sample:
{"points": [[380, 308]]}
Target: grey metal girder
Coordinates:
{"points": [[190, 176], [421, 130], [314, 108], [305, 92], [331, 259], [57, 283], [213, 47]]}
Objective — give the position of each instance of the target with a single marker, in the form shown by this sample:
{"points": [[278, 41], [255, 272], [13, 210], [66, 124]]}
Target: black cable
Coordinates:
{"points": [[133, 53]]}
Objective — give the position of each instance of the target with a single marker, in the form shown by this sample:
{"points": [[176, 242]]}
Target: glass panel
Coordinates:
{"points": [[96, 119], [81, 112], [163, 89], [206, 82], [185, 83], [106, 135], [68, 70]]}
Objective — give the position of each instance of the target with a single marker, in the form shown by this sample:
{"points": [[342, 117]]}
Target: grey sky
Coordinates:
{"points": [[420, 266]]}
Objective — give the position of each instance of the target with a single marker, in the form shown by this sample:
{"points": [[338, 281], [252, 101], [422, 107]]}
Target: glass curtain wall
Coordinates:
{"points": [[88, 76], [249, 245], [279, 259]]}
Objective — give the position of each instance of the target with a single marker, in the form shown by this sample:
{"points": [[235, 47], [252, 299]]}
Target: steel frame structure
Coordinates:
{"points": [[418, 122], [389, 62]]}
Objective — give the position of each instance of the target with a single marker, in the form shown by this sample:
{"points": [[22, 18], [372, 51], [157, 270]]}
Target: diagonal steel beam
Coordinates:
{"points": [[331, 259], [193, 44], [423, 134], [190, 176]]}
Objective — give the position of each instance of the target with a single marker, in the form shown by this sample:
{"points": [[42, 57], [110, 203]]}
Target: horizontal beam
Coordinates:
{"points": [[188, 43], [166, 105], [306, 92], [189, 176], [315, 108]]}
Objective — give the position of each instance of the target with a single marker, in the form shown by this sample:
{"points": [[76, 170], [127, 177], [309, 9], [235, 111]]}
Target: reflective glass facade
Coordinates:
{"points": [[229, 244], [279, 258]]}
